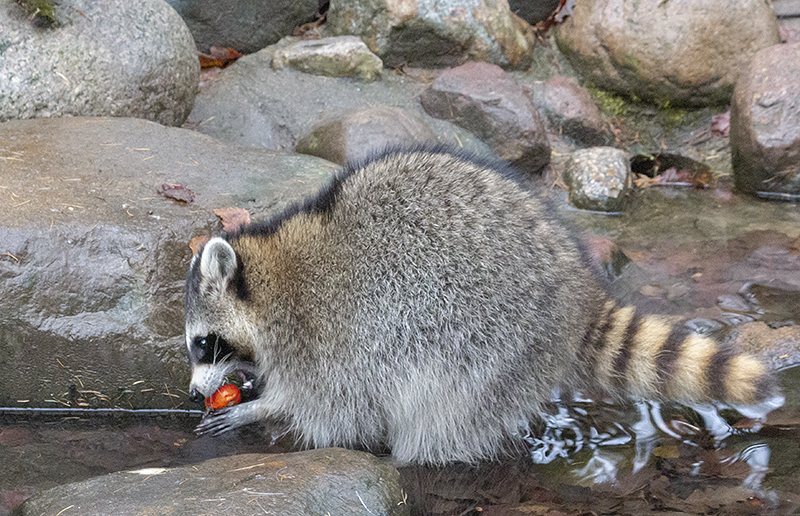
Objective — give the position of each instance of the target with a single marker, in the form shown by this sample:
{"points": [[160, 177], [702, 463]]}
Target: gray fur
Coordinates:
{"points": [[427, 302]]}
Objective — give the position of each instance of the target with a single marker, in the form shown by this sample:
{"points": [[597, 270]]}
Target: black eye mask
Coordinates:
{"points": [[210, 349]]}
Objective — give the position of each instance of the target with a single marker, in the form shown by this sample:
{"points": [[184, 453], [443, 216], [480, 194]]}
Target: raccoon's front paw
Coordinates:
{"points": [[219, 421]]}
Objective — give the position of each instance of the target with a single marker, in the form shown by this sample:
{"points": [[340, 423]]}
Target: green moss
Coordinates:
{"points": [[675, 117], [42, 13], [609, 103], [671, 116]]}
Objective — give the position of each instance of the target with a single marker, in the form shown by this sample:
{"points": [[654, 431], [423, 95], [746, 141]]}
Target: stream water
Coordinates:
{"points": [[717, 257]]}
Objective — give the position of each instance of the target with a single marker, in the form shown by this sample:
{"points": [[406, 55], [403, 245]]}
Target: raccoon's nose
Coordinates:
{"points": [[195, 396]]}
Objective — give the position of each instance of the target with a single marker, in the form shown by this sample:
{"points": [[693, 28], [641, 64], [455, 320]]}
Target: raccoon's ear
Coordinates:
{"points": [[218, 261]]}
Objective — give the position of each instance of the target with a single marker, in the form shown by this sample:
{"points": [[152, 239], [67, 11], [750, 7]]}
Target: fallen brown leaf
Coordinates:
{"points": [[198, 242], [232, 218], [721, 124], [178, 192], [218, 57]]}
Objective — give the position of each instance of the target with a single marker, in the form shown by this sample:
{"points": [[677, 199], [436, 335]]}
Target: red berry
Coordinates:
{"points": [[226, 396]]}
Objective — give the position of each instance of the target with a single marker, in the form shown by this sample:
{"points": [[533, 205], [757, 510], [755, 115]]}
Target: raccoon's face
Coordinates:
{"points": [[218, 334]]}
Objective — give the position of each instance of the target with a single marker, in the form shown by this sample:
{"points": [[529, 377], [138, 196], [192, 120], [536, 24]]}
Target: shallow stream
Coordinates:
{"points": [[706, 254]]}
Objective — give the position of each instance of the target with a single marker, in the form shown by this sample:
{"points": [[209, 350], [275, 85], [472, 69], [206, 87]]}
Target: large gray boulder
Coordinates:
{"points": [[245, 25], [676, 52], [250, 103], [356, 135], [431, 33], [765, 123], [316, 482], [128, 59], [93, 259]]}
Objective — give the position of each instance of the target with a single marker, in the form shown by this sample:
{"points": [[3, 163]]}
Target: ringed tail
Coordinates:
{"points": [[647, 357]]}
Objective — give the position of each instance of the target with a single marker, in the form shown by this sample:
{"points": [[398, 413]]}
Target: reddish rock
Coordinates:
{"points": [[486, 101], [571, 111]]}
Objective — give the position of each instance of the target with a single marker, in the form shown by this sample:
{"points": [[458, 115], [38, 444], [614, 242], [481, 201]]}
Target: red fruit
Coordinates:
{"points": [[226, 396]]}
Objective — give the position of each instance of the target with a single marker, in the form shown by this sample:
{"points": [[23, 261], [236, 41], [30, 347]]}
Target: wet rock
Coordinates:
{"points": [[775, 302], [318, 482], [779, 347], [132, 59], [429, 33], [606, 256], [533, 12], [344, 56], [249, 27], [598, 179], [358, 134], [765, 123], [93, 259], [485, 100], [571, 111], [679, 52], [250, 103]]}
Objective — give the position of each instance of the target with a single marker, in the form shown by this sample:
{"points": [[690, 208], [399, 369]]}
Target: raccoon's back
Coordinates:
{"points": [[454, 259]]}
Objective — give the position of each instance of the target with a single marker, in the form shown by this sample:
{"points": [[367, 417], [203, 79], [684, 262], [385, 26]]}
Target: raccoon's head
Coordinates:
{"points": [[219, 336]]}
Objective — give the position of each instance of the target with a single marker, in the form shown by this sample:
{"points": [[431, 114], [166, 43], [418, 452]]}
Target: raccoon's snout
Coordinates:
{"points": [[195, 396], [207, 378]]}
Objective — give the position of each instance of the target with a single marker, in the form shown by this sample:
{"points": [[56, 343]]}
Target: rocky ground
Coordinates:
{"points": [[115, 151]]}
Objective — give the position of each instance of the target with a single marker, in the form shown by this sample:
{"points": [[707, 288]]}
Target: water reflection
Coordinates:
{"points": [[571, 428]]}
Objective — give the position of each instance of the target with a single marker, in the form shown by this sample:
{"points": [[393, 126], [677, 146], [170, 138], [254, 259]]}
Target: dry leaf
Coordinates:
{"points": [[721, 124], [178, 192], [198, 242], [218, 57], [232, 218]]}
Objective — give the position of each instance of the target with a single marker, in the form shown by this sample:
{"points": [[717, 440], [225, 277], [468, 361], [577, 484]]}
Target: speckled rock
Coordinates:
{"points": [[485, 100], [676, 52], [343, 56], [598, 178], [435, 33], [355, 135], [765, 124], [133, 59]]}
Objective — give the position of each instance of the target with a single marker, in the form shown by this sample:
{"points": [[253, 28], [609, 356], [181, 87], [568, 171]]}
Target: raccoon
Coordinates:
{"points": [[430, 302]]}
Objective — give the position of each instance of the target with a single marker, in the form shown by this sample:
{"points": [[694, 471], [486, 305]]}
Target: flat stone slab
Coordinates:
{"points": [[316, 482]]}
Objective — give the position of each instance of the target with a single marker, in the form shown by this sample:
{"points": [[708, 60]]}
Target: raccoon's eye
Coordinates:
{"points": [[199, 347], [211, 349]]}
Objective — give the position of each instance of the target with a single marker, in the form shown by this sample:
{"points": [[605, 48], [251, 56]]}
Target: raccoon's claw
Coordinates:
{"points": [[216, 422]]}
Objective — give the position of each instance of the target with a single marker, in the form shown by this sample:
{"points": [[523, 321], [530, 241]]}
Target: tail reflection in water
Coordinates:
{"points": [[572, 427]]}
